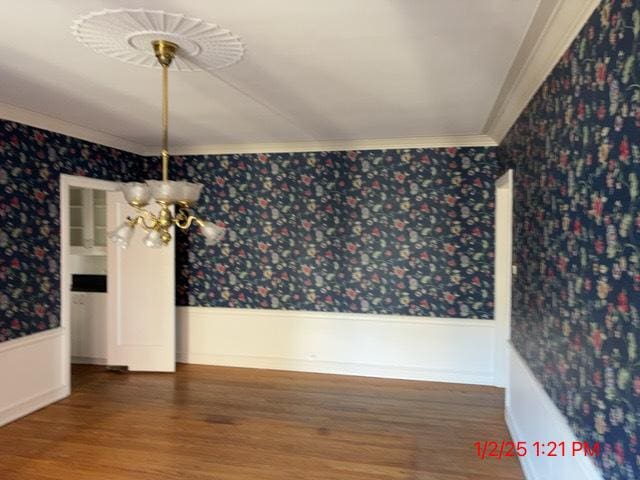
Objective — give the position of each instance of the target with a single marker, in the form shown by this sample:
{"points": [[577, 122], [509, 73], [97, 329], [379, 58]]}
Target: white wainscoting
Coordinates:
{"points": [[31, 374], [389, 346], [532, 417]]}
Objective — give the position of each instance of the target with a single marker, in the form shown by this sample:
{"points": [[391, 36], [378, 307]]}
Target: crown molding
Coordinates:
{"points": [[331, 145], [553, 27], [45, 122]]}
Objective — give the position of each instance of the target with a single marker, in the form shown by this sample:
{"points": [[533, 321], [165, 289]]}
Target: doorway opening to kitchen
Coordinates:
{"points": [[83, 225], [117, 305]]}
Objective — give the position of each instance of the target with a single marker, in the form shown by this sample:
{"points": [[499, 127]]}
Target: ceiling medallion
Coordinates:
{"points": [[126, 34]]}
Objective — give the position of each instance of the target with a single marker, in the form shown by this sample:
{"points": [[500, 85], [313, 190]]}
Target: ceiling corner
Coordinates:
{"points": [[45, 122], [553, 28]]}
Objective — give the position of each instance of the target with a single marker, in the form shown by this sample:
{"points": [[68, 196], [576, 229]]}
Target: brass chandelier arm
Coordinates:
{"points": [[137, 220], [141, 220], [184, 220]]}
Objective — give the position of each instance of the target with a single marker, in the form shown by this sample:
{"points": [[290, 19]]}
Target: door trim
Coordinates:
{"points": [[66, 182], [503, 274]]}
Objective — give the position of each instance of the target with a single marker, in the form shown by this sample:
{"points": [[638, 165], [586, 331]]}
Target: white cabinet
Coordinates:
{"points": [[89, 327], [88, 221]]}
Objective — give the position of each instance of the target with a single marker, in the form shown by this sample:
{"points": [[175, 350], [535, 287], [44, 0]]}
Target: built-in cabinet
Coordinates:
{"points": [[88, 248], [89, 327], [88, 221]]}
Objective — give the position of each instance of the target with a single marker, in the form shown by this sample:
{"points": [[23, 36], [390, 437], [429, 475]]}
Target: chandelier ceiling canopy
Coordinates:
{"points": [[154, 38], [126, 34]]}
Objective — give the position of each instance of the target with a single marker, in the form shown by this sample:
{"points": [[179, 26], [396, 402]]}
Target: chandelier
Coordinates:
{"points": [[175, 199]]}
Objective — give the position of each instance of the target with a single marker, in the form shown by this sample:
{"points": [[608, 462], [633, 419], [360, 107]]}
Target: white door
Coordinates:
{"points": [[141, 299]]}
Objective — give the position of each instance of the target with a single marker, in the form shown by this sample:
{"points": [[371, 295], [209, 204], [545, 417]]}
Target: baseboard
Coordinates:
{"points": [[339, 368], [31, 369], [386, 346], [88, 360], [531, 416], [30, 405], [525, 462]]}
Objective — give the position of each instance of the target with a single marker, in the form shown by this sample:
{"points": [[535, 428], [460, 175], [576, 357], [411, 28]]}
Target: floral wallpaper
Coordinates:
{"points": [[403, 232], [408, 231], [392, 232], [576, 298], [31, 161]]}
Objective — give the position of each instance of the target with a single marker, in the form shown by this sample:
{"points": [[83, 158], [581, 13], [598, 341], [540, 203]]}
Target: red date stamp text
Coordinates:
{"points": [[487, 449]]}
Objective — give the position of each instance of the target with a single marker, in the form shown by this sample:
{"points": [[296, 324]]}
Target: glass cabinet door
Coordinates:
{"points": [[100, 218], [75, 217], [88, 221]]}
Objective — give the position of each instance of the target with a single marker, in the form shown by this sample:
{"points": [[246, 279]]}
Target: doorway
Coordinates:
{"points": [[83, 269], [117, 306]]}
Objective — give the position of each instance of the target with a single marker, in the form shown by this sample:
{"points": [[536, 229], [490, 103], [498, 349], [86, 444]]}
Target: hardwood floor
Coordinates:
{"points": [[240, 424]]}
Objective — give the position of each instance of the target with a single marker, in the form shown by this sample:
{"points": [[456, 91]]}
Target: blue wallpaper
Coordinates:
{"points": [[392, 232], [404, 232], [576, 299], [31, 161]]}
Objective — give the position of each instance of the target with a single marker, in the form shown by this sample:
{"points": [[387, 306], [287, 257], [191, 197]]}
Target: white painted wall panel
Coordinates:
{"points": [[533, 417], [31, 374], [392, 346]]}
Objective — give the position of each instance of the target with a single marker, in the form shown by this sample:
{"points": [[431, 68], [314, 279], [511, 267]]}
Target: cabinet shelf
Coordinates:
{"points": [[89, 252], [88, 212]]}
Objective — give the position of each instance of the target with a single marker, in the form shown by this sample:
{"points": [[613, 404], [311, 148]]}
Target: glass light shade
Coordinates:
{"points": [[190, 192], [137, 194], [212, 233], [122, 235], [153, 239], [168, 191]]}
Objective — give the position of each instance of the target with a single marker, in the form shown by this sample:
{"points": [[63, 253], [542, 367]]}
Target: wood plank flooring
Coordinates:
{"points": [[206, 423]]}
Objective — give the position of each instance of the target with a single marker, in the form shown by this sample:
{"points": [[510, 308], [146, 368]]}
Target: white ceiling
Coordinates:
{"points": [[331, 70]]}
